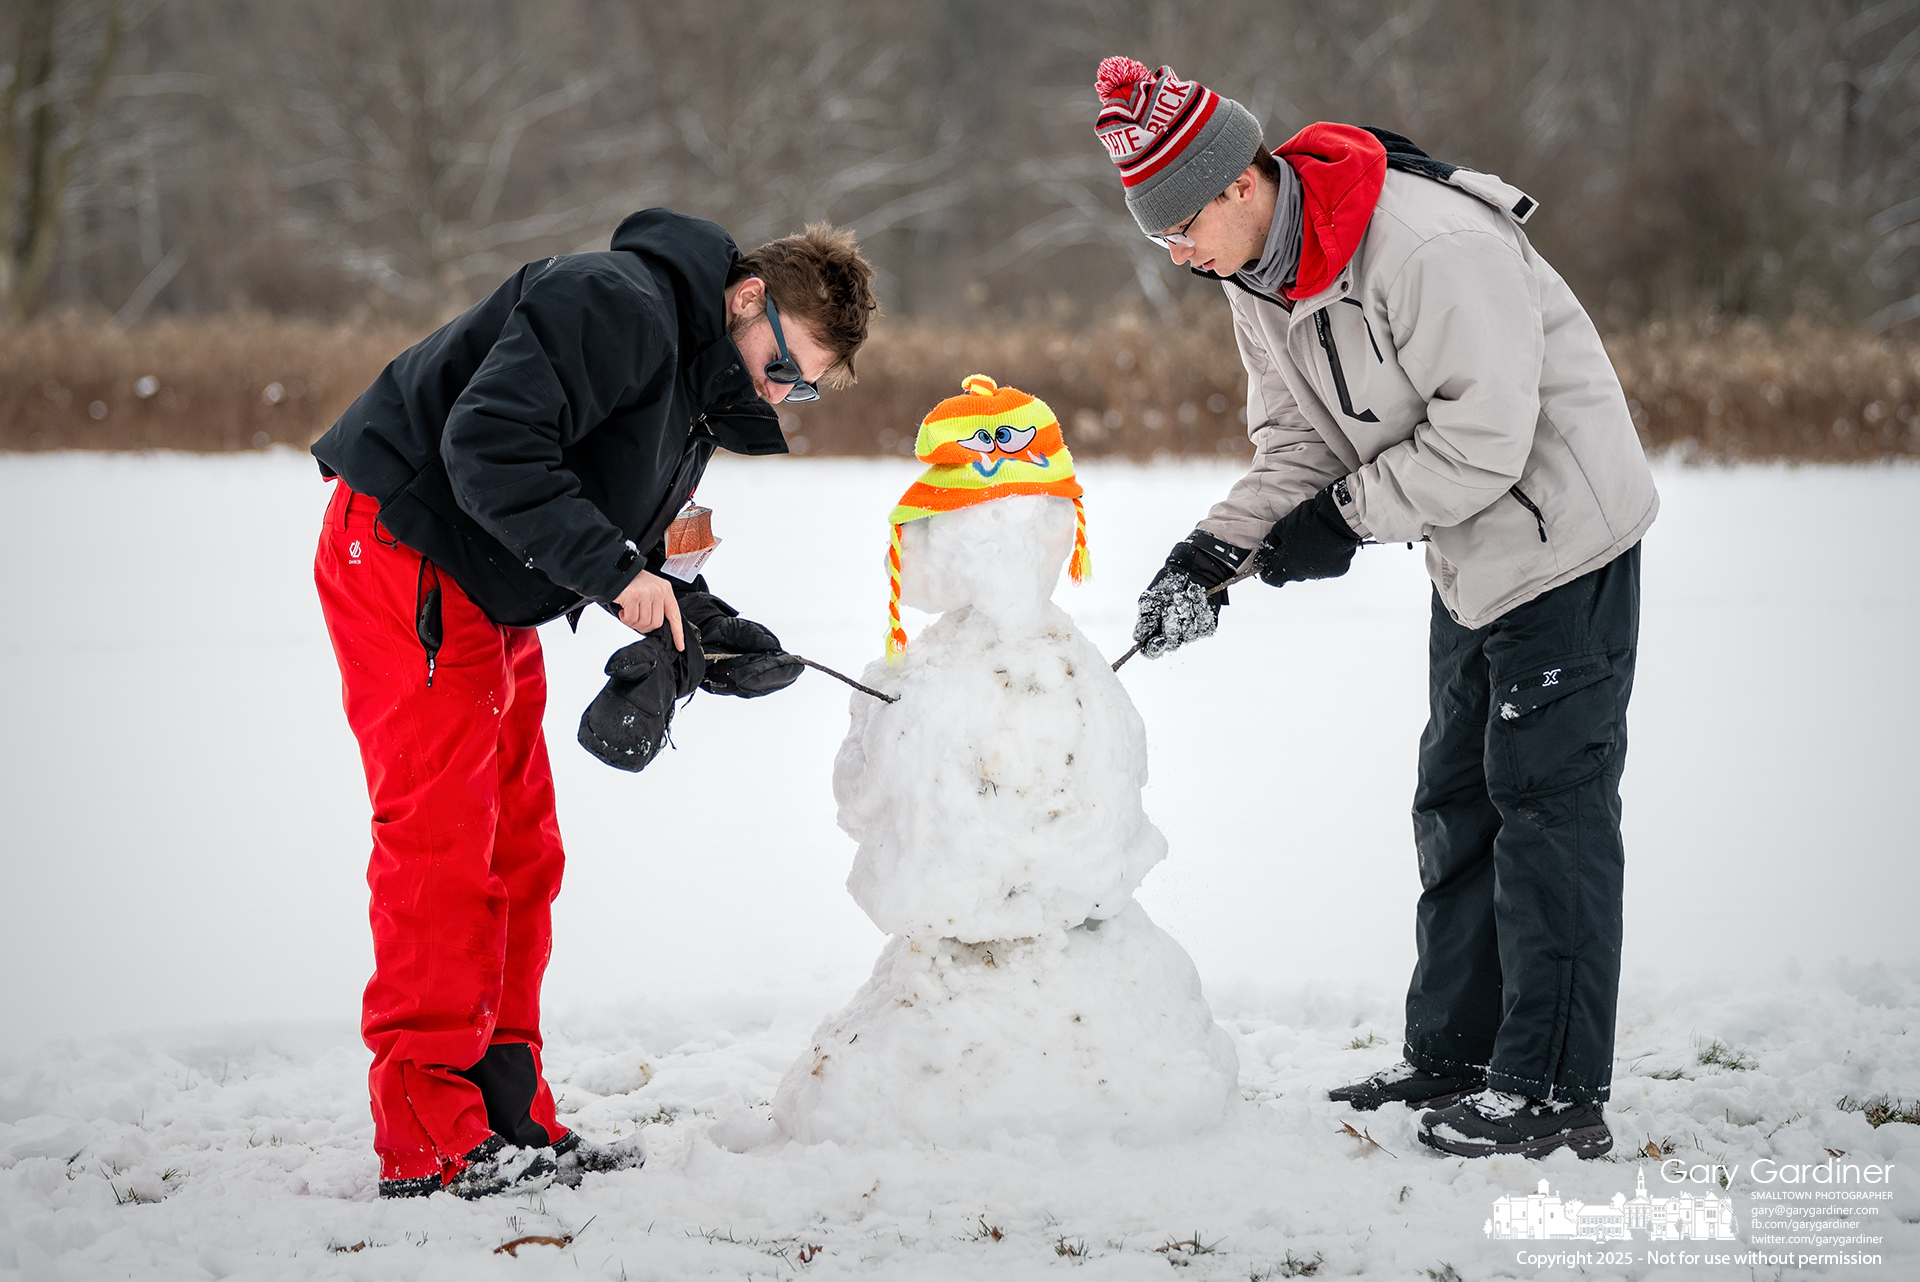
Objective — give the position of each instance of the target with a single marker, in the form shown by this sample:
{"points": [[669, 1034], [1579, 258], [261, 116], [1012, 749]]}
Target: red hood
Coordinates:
{"points": [[1341, 170]]}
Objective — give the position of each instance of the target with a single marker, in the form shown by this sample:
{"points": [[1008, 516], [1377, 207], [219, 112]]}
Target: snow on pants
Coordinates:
{"points": [[1516, 818], [466, 850]]}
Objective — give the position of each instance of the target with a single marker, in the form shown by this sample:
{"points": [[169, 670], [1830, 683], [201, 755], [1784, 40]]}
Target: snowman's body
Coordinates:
{"points": [[997, 806]]}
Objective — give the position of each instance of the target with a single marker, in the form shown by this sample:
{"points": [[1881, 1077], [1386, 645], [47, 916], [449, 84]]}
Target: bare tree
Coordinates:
{"points": [[1737, 156], [62, 59], [1879, 62], [394, 132]]}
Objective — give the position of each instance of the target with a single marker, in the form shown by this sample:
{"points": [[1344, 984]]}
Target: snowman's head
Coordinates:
{"points": [[1002, 558], [978, 523]]}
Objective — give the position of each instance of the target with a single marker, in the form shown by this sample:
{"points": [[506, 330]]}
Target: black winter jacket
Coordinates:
{"points": [[522, 445]]}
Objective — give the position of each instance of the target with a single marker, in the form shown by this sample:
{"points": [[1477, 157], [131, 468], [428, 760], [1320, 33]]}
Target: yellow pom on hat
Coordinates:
{"points": [[990, 442]]}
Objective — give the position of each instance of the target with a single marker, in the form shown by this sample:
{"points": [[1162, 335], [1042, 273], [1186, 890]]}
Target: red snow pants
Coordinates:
{"points": [[466, 848]]}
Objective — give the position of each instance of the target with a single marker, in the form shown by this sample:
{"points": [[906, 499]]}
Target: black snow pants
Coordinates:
{"points": [[1516, 818]]}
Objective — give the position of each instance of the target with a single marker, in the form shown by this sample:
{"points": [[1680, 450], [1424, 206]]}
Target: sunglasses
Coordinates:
{"points": [[1179, 237], [786, 370]]}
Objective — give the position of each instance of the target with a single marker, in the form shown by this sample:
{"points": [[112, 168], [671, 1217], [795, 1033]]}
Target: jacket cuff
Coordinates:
{"points": [[627, 563], [1343, 502]]}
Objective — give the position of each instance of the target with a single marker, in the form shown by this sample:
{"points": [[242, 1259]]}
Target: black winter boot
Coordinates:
{"points": [[1405, 1084], [580, 1158], [491, 1168], [1496, 1122]]}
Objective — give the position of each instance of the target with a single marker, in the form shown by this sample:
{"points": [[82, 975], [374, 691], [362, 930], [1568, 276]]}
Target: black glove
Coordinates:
{"points": [[1176, 607], [762, 666], [626, 724], [1311, 542]]}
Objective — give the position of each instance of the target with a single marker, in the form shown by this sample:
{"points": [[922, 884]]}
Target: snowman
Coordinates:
{"points": [[997, 807]]}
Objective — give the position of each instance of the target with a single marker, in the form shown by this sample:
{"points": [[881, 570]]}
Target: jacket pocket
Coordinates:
{"points": [[1323, 329], [1555, 725], [1539, 517]]}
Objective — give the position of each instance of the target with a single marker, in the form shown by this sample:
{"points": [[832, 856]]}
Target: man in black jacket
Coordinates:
{"points": [[521, 462]]}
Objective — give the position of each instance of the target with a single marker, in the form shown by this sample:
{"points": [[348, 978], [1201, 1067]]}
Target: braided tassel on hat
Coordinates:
{"points": [[896, 633], [1080, 568]]}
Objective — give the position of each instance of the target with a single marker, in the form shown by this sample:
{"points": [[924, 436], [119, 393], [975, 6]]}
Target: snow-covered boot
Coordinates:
{"points": [[1405, 1084], [580, 1158], [494, 1167], [491, 1167], [1496, 1122]]}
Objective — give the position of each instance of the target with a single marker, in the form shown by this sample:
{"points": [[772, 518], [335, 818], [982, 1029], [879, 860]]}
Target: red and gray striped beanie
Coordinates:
{"points": [[1178, 143]]}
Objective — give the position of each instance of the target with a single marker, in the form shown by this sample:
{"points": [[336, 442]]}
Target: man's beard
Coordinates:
{"points": [[738, 326]]}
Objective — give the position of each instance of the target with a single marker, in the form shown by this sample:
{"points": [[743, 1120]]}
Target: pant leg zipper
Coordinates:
{"points": [[426, 616]]}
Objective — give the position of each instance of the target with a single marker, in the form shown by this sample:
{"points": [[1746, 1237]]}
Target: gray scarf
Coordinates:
{"points": [[1281, 258]]}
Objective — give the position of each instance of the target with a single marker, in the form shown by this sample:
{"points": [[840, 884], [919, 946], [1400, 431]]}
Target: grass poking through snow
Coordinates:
{"points": [[1721, 1055], [1880, 1110]]}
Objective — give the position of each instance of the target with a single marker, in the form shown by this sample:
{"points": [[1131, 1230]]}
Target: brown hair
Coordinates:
{"points": [[818, 277], [1267, 163]]}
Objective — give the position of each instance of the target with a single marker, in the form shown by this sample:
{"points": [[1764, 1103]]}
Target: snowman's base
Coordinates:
{"points": [[1096, 1032]]}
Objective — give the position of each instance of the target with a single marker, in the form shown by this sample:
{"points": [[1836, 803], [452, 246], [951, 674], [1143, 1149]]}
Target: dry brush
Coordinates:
{"points": [[1123, 388]]}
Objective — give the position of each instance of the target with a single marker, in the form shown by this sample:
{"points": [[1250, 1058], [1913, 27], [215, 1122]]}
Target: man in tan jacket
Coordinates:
{"points": [[1416, 372]]}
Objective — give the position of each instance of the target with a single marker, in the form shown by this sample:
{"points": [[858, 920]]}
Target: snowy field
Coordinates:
{"points": [[182, 1088]]}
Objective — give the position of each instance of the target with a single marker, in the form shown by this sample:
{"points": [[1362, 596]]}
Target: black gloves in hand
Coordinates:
{"points": [[1311, 542], [626, 724], [1176, 607], [761, 666]]}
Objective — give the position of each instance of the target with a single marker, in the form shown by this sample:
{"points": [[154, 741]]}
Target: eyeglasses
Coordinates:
{"points": [[786, 370], [1179, 237]]}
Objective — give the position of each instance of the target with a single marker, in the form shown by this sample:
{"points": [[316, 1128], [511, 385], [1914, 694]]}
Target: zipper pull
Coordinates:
{"points": [[426, 617], [1539, 518]]}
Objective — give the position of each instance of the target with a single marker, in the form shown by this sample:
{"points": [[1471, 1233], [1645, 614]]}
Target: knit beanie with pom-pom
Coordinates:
{"points": [[1178, 143], [989, 442]]}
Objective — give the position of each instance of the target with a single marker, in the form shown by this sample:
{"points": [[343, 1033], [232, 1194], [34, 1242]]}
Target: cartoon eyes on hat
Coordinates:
{"points": [[1008, 440]]}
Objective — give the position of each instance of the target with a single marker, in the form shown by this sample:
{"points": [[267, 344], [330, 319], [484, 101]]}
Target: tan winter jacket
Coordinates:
{"points": [[1452, 378]]}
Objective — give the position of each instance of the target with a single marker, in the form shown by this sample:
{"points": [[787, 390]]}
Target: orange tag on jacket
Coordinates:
{"points": [[690, 542]]}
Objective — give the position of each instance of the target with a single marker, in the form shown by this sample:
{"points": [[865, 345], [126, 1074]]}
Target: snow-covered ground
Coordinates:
{"points": [[181, 1090]]}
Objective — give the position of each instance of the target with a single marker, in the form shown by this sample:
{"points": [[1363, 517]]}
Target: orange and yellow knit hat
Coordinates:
{"points": [[990, 442]]}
